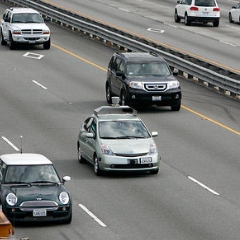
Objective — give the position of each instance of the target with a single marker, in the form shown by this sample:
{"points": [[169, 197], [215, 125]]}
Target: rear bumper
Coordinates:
{"points": [[203, 19]]}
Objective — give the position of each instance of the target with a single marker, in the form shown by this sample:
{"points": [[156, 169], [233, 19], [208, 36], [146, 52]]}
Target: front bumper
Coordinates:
{"points": [[34, 40], [168, 98], [129, 164], [63, 213]]}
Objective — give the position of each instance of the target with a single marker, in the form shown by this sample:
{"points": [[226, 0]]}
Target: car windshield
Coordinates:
{"points": [[27, 18], [123, 129], [30, 174], [205, 3], [155, 68]]}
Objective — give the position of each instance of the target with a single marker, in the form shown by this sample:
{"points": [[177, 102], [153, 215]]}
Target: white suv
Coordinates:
{"points": [[197, 11], [25, 26]]}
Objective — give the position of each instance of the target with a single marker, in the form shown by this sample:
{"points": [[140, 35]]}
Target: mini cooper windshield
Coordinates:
{"points": [[31, 174]]}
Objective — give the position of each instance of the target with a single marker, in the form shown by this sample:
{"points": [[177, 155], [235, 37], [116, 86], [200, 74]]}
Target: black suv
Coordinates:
{"points": [[142, 78]]}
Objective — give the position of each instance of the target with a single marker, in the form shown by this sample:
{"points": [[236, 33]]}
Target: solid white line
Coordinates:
{"points": [[202, 185], [11, 144], [40, 85], [92, 215]]}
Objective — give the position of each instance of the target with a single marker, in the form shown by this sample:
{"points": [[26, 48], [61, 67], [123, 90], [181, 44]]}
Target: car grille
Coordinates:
{"points": [[131, 166], [160, 87], [130, 155], [30, 205], [32, 31]]}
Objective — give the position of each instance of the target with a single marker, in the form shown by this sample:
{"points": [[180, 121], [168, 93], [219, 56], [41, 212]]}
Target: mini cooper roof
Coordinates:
{"points": [[24, 159]]}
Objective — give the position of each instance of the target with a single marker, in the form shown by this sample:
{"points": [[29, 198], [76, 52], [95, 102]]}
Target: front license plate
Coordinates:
{"points": [[156, 98], [146, 160], [39, 212], [32, 42]]}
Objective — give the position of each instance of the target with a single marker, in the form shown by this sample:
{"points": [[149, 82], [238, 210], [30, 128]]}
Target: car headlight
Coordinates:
{"points": [[106, 150], [11, 199], [64, 198], [153, 148], [137, 85], [16, 32], [173, 84]]}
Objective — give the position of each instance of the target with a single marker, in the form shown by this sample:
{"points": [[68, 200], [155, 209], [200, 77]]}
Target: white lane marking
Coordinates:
{"points": [[10, 143], [155, 30], [231, 44], [40, 85], [33, 55], [92, 215], [202, 185], [123, 9]]}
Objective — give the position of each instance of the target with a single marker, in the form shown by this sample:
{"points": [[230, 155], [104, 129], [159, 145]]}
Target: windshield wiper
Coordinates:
{"points": [[47, 182]]}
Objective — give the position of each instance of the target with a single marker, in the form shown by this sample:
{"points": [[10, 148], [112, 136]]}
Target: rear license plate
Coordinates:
{"points": [[156, 98], [146, 160], [39, 212]]}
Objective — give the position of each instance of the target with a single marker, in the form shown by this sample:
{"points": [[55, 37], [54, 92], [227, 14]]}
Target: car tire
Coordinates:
{"points": [[176, 17], [3, 42], [12, 43], [80, 157], [186, 20], [230, 18], [108, 94], [123, 99], [216, 23], [176, 107], [47, 44], [97, 170]]}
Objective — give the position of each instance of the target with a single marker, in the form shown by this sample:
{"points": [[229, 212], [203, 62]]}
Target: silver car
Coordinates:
{"points": [[116, 139]]}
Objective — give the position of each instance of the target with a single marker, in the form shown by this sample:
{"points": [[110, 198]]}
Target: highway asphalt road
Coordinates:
{"points": [[46, 95], [154, 19]]}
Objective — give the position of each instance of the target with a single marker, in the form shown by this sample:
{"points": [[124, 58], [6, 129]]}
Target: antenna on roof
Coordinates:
{"points": [[21, 137]]}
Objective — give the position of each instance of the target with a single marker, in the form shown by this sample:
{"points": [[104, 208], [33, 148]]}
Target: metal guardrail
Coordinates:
{"points": [[218, 79]]}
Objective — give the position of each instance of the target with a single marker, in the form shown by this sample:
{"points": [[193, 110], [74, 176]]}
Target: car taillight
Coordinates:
{"points": [[216, 9], [194, 8]]}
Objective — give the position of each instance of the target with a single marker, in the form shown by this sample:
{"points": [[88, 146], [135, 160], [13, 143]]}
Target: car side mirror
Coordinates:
{"points": [[7, 19], [46, 19], [120, 74], [89, 135], [234, 7], [66, 179], [175, 72], [154, 134]]}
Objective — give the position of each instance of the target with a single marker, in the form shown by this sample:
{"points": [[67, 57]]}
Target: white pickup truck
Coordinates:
{"points": [[24, 26]]}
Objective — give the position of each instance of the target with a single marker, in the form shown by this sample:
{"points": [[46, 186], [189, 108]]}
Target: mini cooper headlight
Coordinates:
{"points": [[11, 199], [136, 85], [64, 198]]}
